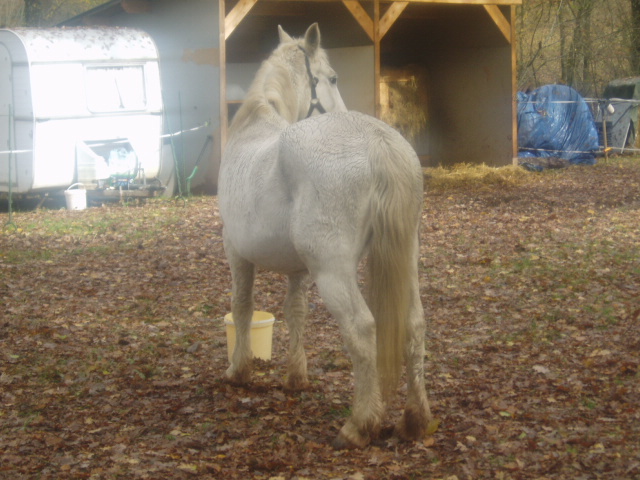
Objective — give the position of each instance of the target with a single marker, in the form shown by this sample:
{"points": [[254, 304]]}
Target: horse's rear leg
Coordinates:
{"points": [[243, 275], [295, 313], [417, 415], [345, 302]]}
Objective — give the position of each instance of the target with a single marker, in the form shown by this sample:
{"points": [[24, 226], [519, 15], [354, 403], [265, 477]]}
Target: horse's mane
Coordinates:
{"points": [[271, 86], [273, 91], [266, 94]]}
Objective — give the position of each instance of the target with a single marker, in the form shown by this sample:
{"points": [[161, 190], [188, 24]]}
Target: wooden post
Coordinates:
{"points": [[514, 88], [604, 132], [224, 112], [376, 29], [136, 6], [376, 55]]}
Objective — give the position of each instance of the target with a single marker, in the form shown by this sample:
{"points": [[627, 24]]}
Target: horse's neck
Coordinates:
{"points": [[257, 117], [271, 99]]}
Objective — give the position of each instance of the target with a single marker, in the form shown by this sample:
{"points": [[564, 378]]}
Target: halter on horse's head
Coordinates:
{"points": [[313, 81], [322, 80]]}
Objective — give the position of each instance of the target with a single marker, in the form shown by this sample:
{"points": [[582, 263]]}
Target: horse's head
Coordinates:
{"points": [[314, 82]]}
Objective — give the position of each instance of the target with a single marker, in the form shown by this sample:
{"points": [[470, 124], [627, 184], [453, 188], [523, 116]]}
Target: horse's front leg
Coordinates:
{"points": [[242, 275], [295, 313]]}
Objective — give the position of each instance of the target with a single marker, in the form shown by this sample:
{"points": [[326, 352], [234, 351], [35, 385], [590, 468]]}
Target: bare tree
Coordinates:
{"points": [[577, 58], [531, 47], [635, 36], [581, 43]]}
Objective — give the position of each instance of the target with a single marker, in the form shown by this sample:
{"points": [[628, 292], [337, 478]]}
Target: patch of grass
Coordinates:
{"points": [[340, 412], [590, 403], [18, 255], [51, 235]]}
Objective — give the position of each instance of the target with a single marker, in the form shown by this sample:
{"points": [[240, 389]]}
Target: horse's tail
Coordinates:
{"points": [[396, 206]]}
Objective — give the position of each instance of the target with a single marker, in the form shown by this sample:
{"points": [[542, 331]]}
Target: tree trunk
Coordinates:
{"points": [[635, 36], [577, 58]]}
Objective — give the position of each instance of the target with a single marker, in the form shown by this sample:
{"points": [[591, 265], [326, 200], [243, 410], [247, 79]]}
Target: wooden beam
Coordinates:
{"points": [[268, 8], [499, 19], [455, 2], [136, 6], [390, 16], [514, 88], [222, 47], [361, 16], [236, 15], [376, 55], [471, 2]]}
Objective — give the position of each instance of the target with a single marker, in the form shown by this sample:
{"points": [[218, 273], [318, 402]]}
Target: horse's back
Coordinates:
{"points": [[333, 163], [336, 149]]}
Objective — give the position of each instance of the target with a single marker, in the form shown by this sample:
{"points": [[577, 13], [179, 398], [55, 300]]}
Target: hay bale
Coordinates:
{"points": [[403, 101], [475, 177]]}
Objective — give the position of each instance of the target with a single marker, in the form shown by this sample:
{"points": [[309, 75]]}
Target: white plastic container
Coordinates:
{"points": [[261, 334], [76, 199]]}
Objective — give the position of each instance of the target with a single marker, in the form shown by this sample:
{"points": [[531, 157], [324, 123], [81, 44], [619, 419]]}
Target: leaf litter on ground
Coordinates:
{"points": [[113, 348]]}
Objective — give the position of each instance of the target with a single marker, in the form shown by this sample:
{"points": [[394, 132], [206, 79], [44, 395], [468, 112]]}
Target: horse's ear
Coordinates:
{"points": [[284, 36], [312, 39]]}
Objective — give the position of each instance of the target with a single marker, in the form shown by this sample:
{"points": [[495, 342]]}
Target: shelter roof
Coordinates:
{"points": [[254, 40]]}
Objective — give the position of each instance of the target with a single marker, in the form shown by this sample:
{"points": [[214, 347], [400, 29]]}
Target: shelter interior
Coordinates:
{"points": [[444, 77]]}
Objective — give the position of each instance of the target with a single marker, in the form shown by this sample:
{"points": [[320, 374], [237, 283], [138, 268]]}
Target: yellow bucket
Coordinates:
{"points": [[261, 334]]}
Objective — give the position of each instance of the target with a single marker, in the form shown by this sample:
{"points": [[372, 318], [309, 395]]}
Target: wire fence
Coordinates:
{"points": [[597, 105], [122, 141]]}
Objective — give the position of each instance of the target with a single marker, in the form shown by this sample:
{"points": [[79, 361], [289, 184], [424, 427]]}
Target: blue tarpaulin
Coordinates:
{"points": [[555, 121]]}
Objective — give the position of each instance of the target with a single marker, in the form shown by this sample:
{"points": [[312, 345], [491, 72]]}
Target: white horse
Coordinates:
{"points": [[309, 195]]}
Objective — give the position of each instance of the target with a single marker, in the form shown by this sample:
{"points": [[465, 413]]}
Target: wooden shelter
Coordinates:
{"points": [[442, 71], [461, 54]]}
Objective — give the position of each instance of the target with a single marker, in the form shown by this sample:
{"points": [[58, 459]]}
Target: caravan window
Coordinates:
{"points": [[57, 90], [115, 88]]}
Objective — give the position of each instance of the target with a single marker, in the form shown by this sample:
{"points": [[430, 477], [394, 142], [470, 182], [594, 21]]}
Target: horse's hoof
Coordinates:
{"points": [[413, 425], [350, 440], [296, 383], [238, 377]]}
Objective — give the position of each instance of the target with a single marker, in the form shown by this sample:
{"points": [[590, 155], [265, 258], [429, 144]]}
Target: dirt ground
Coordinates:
{"points": [[113, 347]]}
